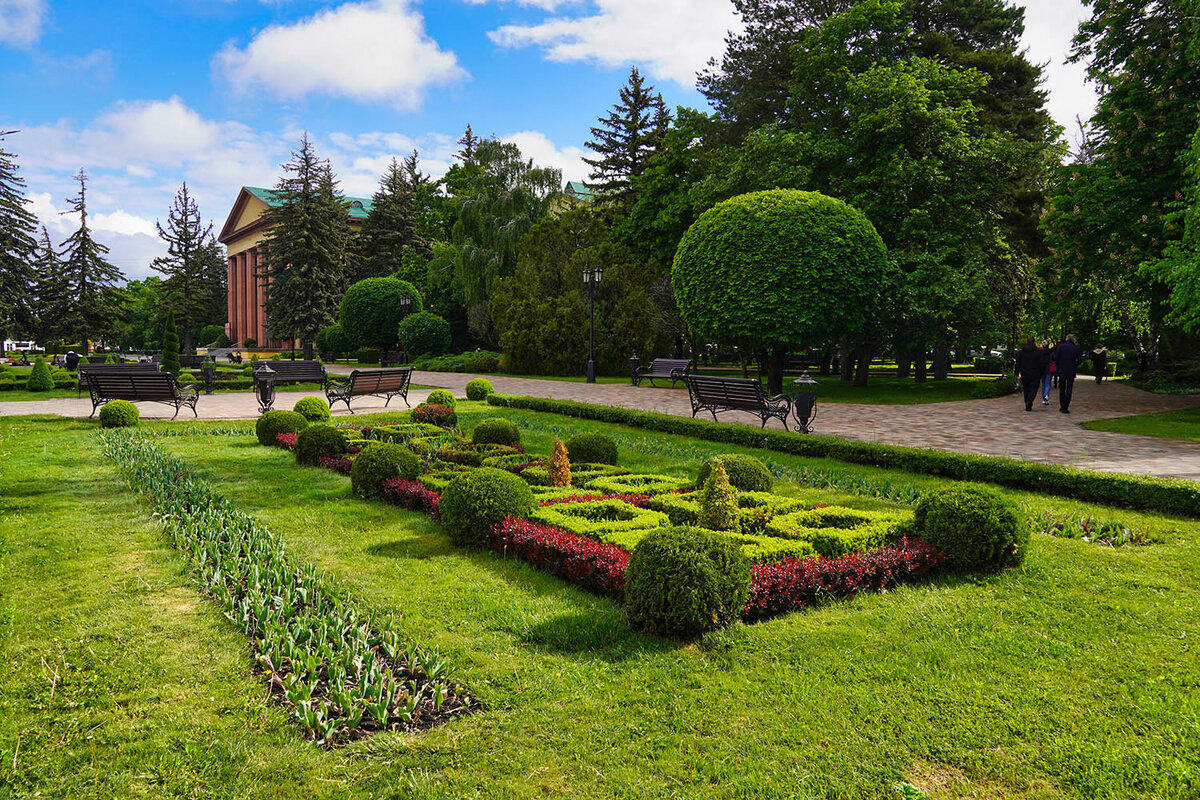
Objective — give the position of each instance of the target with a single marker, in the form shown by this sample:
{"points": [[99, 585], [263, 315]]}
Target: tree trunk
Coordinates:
{"points": [[920, 375], [188, 344], [846, 364], [84, 346], [903, 362], [941, 361], [776, 362], [308, 349], [678, 346], [826, 363], [863, 371]]}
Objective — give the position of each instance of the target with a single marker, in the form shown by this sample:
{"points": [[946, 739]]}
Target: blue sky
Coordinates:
{"points": [[147, 94]]}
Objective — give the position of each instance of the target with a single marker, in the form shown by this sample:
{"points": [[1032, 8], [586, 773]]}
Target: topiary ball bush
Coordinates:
{"points": [[273, 423], [496, 430], [313, 409], [319, 440], [479, 389], [591, 448], [371, 311], [746, 473], [118, 414], [685, 581], [424, 332], [379, 462], [39, 379], [475, 501], [440, 397], [481, 361], [977, 528]]}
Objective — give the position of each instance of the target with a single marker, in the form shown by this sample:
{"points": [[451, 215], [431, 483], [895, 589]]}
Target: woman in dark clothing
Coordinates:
{"points": [[1029, 367]]}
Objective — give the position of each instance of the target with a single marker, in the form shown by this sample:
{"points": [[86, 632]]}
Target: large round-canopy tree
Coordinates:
{"points": [[780, 269], [372, 309]]}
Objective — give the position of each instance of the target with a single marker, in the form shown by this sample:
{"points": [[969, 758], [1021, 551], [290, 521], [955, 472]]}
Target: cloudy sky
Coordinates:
{"points": [[145, 94]]}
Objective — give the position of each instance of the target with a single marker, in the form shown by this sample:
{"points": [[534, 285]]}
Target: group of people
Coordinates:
{"points": [[1040, 367]]}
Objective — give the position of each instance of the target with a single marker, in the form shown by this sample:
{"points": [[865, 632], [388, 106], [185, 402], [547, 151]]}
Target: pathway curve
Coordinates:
{"points": [[995, 427]]}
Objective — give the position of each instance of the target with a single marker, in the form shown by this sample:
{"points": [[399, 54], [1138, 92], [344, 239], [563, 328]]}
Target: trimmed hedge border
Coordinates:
{"points": [[1162, 495]]}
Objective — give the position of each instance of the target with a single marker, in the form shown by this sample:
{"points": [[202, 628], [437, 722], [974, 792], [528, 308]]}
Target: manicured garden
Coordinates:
{"points": [[1184, 424]]}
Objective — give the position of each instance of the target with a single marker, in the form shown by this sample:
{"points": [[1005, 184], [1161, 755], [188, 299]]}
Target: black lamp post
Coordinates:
{"points": [[405, 307], [804, 405], [591, 280], [264, 379], [208, 371]]}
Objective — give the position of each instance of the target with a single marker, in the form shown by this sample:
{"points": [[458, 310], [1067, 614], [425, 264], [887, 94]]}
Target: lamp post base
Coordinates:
{"points": [[591, 371]]}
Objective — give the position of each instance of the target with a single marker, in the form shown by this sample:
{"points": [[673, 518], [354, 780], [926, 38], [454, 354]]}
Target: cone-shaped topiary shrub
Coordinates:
{"points": [[440, 397], [560, 465], [319, 440], [379, 462], [479, 389], [118, 414], [718, 502], [977, 528], [170, 346], [273, 423], [40, 379], [746, 473], [475, 501], [592, 448], [313, 409], [685, 581], [496, 430]]}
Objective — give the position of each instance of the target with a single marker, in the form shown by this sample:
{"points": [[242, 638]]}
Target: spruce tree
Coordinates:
{"points": [[17, 246], [306, 250], [626, 139], [49, 294], [91, 302], [170, 346], [469, 142], [189, 265], [391, 227]]}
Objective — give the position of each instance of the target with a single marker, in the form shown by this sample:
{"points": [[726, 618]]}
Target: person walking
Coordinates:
{"points": [[1068, 357], [1029, 367], [1047, 370], [1100, 363]]}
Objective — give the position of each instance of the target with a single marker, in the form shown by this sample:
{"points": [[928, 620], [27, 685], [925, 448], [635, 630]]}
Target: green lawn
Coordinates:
{"points": [[1074, 676], [1164, 424]]}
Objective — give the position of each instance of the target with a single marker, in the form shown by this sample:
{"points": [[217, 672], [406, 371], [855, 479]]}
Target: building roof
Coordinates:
{"points": [[360, 207], [579, 191]]}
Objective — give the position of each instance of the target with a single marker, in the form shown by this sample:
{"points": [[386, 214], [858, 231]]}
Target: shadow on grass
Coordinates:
{"points": [[595, 633]]}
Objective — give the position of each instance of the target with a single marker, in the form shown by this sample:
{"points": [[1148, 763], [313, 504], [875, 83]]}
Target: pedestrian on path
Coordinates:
{"points": [[1100, 363], [1047, 370], [1029, 367], [1068, 357]]}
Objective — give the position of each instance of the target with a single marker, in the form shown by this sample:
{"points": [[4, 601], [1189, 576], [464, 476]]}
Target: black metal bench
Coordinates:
{"points": [[673, 368], [386, 383], [297, 371], [713, 394], [86, 369], [152, 387]]}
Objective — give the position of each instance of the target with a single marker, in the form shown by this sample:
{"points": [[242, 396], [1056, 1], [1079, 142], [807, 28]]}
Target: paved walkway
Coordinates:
{"points": [[996, 427]]}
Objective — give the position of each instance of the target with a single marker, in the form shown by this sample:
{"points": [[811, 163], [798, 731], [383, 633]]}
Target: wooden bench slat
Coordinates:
{"points": [[713, 394], [139, 385], [386, 383]]}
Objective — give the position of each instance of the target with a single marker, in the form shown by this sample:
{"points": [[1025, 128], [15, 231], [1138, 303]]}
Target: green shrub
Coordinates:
{"points": [[368, 356], [319, 440], [273, 423], [186, 378], [718, 502], [591, 448], [685, 581], [118, 414], [333, 340], [39, 377], [424, 333], [978, 529], [481, 361], [313, 409], [596, 517], [496, 430], [170, 345], [440, 397], [380, 462], [479, 389], [434, 414], [475, 501], [371, 311], [633, 484], [210, 335], [746, 473]]}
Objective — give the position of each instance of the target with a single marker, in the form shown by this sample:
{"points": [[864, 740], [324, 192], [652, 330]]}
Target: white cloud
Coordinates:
{"points": [[672, 39], [547, 5], [536, 145], [370, 52], [1049, 27], [21, 21]]}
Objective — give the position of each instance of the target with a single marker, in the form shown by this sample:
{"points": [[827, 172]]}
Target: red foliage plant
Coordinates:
{"points": [[410, 494], [341, 465], [287, 441], [595, 566], [639, 500], [434, 414]]}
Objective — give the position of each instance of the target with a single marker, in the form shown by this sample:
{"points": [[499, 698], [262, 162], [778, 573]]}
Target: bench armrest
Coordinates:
{"points": [[188, 390]]}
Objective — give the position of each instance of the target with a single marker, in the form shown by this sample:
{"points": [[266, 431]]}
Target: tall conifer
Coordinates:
{"points": [[391, 227], [625, 139], [91, 302], [190, 265], [17, 245]]}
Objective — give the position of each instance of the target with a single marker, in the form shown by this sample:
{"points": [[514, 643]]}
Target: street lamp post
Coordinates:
{"points": [[591, 280], [804, 405], [264, 377]]}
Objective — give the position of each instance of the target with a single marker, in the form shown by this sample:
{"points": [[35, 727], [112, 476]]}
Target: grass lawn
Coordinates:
{"points": [[1183, 424], [1073, 676]]}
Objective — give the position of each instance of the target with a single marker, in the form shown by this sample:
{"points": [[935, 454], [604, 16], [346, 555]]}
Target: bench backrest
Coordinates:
{"points": [[131, 385], [115, 369], [379, 381], [297, 370], [666, 365], [726, 391]]}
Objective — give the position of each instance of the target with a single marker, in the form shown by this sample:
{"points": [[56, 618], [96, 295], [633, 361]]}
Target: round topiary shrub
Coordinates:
{"points": [[371, 311], [591, 448], [273, 423], [319, 440], [496, 430], [423, 333], [685, 581], [433, 414], [475, 501], [333, 340], [380, 462], [481, 361], [479, 389], [440, 397], [974, 526], [746, 473], [313, 409], [39, 379], [118, 414]]}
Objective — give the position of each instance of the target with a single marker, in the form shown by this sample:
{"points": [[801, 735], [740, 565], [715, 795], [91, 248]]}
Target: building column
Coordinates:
{"points": [[232, 301], [243, 290], [260, 312]]}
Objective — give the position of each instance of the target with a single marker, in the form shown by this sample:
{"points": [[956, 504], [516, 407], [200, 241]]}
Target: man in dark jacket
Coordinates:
{"points": [[1029, 367], [1068, 356]]}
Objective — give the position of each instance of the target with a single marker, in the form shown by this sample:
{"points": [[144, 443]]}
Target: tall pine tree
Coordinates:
{"points": [[190, 266], [17, 245], [306, 250], [90, 301], [391, 228], [625, 140]]}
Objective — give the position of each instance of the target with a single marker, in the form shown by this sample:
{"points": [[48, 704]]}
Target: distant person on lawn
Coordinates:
{"points": [[1029, 367], [1068, 357]]}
